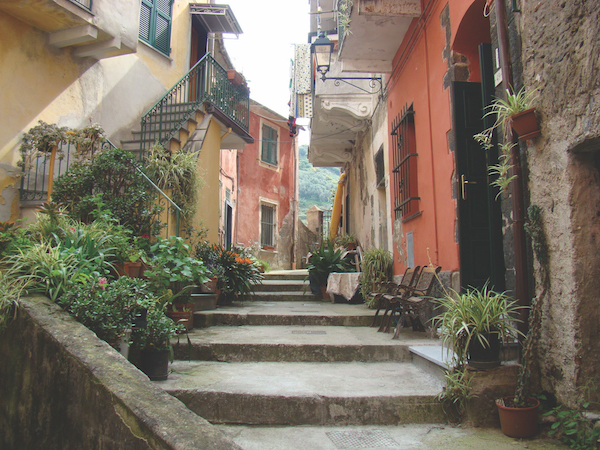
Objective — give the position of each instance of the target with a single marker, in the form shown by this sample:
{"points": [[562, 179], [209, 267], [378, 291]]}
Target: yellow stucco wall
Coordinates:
{"points": [[208, 212]]}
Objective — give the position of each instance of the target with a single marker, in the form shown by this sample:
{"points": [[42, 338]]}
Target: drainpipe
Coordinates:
{"points": [[518, 204]]}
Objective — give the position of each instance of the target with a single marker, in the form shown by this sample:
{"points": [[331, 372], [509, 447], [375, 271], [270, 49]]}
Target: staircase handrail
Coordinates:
{"points": [[206, 80]]}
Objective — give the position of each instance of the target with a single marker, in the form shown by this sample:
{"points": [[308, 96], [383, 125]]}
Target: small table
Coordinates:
{"points": [[344, 284]]}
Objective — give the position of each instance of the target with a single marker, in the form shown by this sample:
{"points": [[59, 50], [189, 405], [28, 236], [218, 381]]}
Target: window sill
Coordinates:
{"points": [[267, 165], [412, 216], [155, 50]]}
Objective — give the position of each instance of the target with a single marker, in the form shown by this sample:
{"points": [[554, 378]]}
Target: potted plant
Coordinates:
{"points": [[474, 323], [348, 241], [377, 267], [173, 275], [323, 261], [517, 112], [240, 274], [518, 413], [154, 343]]}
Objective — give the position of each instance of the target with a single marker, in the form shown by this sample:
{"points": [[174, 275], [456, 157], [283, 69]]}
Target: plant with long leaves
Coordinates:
{"points": [[377, 267], [473, 315]]}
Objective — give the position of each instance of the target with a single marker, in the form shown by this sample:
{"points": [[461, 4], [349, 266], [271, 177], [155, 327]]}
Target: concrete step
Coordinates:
{"points": [[298, 274], [283, 285], [284, 296], [422, 436], [300, 393], [296, 343], [287, 313]]}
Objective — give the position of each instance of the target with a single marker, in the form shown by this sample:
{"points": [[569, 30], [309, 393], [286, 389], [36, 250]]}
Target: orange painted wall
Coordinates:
{"points": [[418, 79], [258, 180]]}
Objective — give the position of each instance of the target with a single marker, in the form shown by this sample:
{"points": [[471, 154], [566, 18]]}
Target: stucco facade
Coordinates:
{"points": [[66, 80]]}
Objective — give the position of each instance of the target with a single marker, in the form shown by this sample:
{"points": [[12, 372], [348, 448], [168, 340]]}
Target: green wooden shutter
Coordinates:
{"points": [[269, 145], [155, 24]]}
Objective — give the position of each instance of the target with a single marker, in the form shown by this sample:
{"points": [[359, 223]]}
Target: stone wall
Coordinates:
{"points": [[561, 59], [63, 388]]}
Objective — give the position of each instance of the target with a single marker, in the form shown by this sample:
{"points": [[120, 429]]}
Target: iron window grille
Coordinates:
{"points": [[269, 145], [404, 172], [379, 168], [155, 24], [267, 226]]}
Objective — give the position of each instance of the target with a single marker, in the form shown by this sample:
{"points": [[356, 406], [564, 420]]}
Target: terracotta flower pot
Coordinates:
{"points": [[184, 315], [525, 124], [518, 422], [324, 293]]}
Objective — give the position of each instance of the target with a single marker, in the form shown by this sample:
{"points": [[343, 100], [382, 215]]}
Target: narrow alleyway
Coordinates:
{"points": [[282, 372]]}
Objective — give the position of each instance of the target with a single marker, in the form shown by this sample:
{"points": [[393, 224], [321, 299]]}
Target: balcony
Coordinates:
{"points": [[377, 28], [97, 29]]}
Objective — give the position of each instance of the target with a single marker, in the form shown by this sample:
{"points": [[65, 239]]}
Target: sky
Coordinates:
{"points": [[263, 53]]}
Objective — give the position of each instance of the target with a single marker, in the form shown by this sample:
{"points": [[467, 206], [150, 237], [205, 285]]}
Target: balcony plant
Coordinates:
{"points": [[517, 112]]}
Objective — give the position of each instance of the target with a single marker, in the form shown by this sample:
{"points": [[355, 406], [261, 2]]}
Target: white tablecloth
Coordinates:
{"points": [[344, 284]]}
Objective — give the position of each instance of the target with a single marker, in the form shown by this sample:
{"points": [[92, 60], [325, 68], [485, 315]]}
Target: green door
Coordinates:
{"points": [[480, 256]]}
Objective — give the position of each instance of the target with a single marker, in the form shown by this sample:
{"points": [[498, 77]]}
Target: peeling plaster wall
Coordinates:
{"points": [[561, 58]]}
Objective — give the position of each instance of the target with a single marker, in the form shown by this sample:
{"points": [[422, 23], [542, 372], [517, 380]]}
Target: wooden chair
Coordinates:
{"points": [[411, 304], [381, 288], [410, 277]]}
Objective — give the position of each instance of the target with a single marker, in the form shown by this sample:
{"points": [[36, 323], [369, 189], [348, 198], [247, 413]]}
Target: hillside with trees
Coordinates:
{"points": [[317, 184]]}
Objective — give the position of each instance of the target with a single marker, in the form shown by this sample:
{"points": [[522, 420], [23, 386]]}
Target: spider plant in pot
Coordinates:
{"points": [[517, 112], [474, 323]]}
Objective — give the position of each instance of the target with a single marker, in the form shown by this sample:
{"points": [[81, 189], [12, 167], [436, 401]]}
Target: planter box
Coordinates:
{"points": [[525, 124]]}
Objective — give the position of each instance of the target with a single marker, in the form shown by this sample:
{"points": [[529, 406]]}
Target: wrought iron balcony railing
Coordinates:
{"points": [[207, 81]]}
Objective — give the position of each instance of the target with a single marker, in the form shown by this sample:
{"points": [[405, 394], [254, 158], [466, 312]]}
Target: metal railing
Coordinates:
{"points": [[87, 4], [207, 81], [36, 177]]}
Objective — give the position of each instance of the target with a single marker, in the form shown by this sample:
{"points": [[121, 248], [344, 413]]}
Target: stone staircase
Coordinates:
{"points": [[288, 358]]}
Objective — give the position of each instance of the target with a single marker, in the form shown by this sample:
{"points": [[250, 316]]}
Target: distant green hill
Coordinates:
{"points": [[317, 184]]}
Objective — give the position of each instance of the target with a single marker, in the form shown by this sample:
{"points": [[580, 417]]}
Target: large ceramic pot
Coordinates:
{"points": [[518, 422], [487, 357], [155, 364]]}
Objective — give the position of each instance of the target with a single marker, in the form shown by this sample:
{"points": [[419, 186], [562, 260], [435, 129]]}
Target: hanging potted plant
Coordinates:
{"points": [[517, 112]]}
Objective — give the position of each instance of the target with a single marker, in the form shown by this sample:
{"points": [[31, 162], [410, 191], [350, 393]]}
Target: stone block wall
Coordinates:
{"points": [[63, 388]]}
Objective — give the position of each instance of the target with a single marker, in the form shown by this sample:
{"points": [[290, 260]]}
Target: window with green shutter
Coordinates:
{"points": [[269, 145], [155, 24]]}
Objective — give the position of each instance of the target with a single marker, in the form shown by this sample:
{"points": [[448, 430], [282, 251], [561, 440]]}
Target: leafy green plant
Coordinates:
{"points": [[111, 178], [106, 307], [325, 260], [377, 267], [12, 238], [39, 140], [514, 104], [177, 172], [344, 240], [240, 273], [174, 272], [157, 332], [11, 288], [572, 426], [473, 315], [457, 391]]}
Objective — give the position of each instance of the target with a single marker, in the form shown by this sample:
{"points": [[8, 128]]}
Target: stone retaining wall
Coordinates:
{"points": [[63, 388]]}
